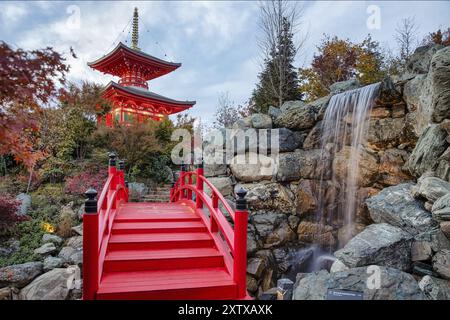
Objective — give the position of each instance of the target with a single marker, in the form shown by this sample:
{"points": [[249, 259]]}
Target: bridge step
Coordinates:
{"points": [[158, 227], [135, 260], [160, 240], [198, 283]]}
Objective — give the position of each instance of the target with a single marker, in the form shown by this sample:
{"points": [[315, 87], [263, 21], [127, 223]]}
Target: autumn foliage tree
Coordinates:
{"points": [[438, 37], [339, 60], [28, 81]]}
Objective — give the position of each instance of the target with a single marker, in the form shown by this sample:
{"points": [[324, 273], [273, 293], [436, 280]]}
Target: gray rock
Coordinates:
{"points": [[5, 293], [441, 263], [243, 123], [380, 244], [299, 118], [435, 239], [213, 170], [273, 112], [306, 164], [9, 247], [75, 242], [52, 263], [25, 203], [441, 208], [272, 197], [313, 140], [386, 133], [342, 86], [51, 238], [288, 140], [423, 269], [431, 188], [252, 167], [255, 267], [223, 185], [280, 236], [46, 249], [67, 210], [420, 60], [338, 266], [435, 289], [394, 284], [49, 286], [266, 222], [20, 275], [430, 146], [71, 256], [261, 121], [289, 105], [421, 251], [439, 77], [285, 288], [396, 205], [445, 228]]}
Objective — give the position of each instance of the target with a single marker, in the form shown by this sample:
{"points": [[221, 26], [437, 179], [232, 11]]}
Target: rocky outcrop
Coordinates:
{"points": [[20, 275], [49, 286], [380, 244], [394, 284], [396, 206]]}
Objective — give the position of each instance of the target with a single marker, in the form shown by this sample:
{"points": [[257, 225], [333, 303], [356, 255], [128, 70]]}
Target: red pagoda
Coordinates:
{"points": [[131, 99]]}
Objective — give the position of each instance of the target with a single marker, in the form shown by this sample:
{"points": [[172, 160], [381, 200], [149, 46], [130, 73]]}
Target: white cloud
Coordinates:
{"points": [[11, 14]]}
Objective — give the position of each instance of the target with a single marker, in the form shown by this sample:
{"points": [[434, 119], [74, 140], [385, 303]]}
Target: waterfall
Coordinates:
{"points": [[344, 130]]}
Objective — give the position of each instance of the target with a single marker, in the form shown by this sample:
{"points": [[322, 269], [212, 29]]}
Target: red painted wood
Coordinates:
{"points": [[168, 250]]}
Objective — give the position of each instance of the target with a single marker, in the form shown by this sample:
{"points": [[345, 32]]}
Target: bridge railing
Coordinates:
{"points": [[97, 223], [230, 238]]}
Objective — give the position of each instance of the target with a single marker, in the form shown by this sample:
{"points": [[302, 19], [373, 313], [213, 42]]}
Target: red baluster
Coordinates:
{"points": [[182, 181], [90, 246], [199, 186], [240, 243]]}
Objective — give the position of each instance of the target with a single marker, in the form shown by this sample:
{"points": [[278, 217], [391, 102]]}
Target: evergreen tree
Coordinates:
{"points": [[278, 82]]}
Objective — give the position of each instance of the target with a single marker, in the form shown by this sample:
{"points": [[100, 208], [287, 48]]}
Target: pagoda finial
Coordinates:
{"points": [[135, 34]]}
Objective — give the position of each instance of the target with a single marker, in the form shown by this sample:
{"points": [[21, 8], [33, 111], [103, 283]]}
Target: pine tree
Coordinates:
{"points": [[278, 82]]}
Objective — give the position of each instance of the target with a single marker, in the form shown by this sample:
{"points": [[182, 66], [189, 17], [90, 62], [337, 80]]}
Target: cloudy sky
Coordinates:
{"points": [[215, 40]]}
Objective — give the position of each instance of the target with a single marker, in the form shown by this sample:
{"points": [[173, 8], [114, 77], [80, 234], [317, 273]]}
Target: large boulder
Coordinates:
{"points": [[434, 288], [51, 263], [261, 121], [252, 167], [266, 222], [20, 275], [419, 62], [45, 250], [394, 284], [431, 188], [298, 118], [289, 105], [51, 238], [439, 79], [270, 197], [396, 206], [346, 85], [380, 244], [25, 203], [289, 140], [306, 164], [273, 112], [49, 286], [428, 150]]}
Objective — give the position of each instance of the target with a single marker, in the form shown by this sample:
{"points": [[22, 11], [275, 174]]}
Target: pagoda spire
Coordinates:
{"points": [[135, 34]]}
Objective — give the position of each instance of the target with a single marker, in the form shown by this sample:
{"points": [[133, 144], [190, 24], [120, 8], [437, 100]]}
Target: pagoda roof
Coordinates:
{"points": [[122, 57], [143, 97]]}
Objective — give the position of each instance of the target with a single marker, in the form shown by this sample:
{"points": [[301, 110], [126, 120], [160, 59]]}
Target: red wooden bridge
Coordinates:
{"points": [[184, 249]]}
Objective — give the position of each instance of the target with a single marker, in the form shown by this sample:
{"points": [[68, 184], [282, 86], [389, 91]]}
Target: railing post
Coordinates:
{"points": [[189, 192], [199, 186], [121, 178], [90, 246], [112, 172], [240, 243], [212, 220], [181, 179]]}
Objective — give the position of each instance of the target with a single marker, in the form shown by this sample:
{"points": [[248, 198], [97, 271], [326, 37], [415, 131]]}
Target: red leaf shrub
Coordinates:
{"points": [[79, 183], [8, 210]]}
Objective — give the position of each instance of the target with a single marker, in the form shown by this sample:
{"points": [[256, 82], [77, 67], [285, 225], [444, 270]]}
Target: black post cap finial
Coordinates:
{"points": [[112, 159], [90, 205], [121, 165], [241, 202]]}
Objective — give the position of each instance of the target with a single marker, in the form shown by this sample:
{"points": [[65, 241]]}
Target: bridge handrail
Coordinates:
{"points": [[97, 224], [235, 239]]}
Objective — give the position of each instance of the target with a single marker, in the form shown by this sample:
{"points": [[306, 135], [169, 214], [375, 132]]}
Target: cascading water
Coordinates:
{"points": [[344, 129]]}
